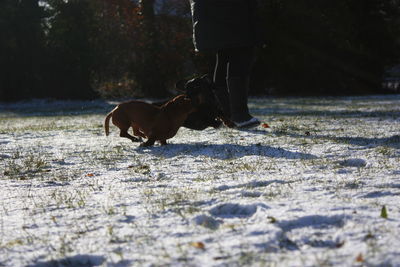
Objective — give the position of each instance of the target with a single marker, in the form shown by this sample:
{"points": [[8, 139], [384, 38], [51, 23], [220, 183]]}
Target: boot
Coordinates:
{"points": [[238, 93]]}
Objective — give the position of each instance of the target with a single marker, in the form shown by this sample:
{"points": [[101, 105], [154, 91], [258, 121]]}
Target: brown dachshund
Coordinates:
{"points": [[209, 111], [149, 121]]}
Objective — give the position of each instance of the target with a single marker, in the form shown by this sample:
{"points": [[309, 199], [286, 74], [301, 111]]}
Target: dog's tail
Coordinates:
{"points": [[107, 122]]}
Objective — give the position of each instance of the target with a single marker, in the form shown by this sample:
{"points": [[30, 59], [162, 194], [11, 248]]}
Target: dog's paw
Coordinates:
{"points": [[147, 143], [144, 144]]}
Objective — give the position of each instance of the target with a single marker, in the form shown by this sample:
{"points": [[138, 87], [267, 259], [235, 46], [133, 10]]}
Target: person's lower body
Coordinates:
{"points": [[231, 78]]}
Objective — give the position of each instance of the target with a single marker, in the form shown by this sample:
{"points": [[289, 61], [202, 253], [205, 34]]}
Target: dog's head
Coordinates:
{"points": [[200, 90], [208, 109]]}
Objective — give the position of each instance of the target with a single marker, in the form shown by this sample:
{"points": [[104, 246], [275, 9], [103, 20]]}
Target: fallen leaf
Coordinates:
{"points": [[90, 175], [199, 245], [360, 258], [265, 125]]}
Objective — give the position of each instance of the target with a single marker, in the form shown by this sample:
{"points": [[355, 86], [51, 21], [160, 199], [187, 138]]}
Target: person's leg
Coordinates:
{"points": [[239, 69], [220, 81]]}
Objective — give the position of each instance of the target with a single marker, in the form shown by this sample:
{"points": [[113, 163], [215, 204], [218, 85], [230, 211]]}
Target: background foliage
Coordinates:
{"points": [[88, 48]]}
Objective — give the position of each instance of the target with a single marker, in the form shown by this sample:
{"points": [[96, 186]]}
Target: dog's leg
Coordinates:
{"points": [[136, 131], [120, 120], [149, 142], [124, 133]]}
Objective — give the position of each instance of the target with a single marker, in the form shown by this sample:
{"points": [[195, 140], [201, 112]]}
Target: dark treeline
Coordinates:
{"points": [[81, 49]]}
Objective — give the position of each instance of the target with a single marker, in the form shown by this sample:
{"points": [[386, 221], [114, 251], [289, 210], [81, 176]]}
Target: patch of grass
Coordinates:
{"points": [[71, 200], [277, 190], [235, 166], [205, 178], [12, 243], [31, 124], [140, 168], [247, 167], [286, 127], [355, 184], [107, 156], [249, 258], [24, 166], [181, 201], [386, 151]]}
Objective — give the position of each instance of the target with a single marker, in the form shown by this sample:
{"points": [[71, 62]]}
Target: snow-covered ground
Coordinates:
{"points": [[319, 187]]}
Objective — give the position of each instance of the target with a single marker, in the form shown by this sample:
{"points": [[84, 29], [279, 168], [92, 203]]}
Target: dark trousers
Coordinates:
{"points": [[231, 78], [233, 62]]}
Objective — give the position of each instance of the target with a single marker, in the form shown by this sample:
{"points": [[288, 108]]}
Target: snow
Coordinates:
{"points": [[307, 191]]}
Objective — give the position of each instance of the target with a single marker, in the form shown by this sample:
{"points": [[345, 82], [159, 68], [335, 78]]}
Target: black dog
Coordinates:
{"points": [[209, 113]]}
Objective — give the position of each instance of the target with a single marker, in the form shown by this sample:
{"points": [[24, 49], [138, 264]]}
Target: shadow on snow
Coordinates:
{"points": [[371, 142], [223, 151], [77, 260]]}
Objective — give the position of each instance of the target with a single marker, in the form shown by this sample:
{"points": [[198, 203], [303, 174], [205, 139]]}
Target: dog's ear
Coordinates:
{"points": [[180, 86]]}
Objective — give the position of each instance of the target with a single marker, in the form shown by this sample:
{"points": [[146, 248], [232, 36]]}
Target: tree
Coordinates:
{"points": [[21, 49], [327, 47], [162, 50], [115, 40], [70, 53], [71, 49], [154, 45]]}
